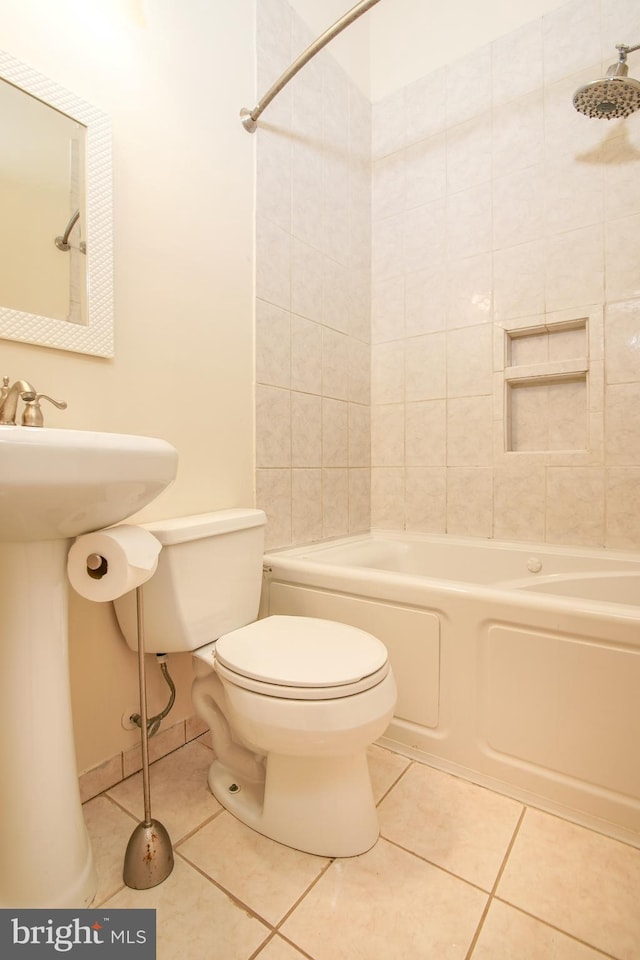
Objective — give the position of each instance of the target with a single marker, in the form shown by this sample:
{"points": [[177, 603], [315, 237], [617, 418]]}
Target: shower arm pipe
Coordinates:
{"points": [[620, 69], [623, 50], [249, 117]]}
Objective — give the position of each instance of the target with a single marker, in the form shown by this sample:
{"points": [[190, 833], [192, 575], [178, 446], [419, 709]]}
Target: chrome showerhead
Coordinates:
{"points": [[616, 95]]}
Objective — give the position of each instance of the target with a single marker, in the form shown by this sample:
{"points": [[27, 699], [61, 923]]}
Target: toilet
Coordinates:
{"points": [[292, 702]]}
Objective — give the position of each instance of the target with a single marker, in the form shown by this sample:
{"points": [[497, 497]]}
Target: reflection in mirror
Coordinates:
{"points": [[40, 181], [56, 252]]}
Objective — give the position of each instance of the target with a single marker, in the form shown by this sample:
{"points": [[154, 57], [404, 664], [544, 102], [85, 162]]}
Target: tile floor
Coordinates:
{"points": [[459, 872]]}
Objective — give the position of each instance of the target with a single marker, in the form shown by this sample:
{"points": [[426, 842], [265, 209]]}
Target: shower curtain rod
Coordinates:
{"points": [[249, 117]]}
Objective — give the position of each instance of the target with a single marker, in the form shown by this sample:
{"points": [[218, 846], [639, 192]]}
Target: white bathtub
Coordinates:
{"points": [[518, 665]]}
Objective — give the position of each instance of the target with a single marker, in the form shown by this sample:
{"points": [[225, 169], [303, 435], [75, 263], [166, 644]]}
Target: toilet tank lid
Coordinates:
{"points": [[197, 526]]}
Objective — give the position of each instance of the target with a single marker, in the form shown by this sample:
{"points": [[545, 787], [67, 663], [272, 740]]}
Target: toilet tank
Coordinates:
{"points": [[207, 583]]}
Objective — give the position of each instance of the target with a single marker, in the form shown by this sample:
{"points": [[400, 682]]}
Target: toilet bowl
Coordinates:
{"points": [[292, 702]]}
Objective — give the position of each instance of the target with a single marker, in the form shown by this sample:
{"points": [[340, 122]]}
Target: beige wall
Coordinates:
{"points": [[173, 79]]}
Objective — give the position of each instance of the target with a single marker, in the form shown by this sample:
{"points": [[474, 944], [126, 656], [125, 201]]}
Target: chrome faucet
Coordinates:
{"points": [[9, 396]]}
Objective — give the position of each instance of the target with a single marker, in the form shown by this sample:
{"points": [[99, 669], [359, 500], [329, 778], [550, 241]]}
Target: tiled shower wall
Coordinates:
{"points": [[497, 211], [497, 207], [313, 291]]}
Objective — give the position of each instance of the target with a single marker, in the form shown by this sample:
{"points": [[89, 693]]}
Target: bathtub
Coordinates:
{"points": [[518, 665]]}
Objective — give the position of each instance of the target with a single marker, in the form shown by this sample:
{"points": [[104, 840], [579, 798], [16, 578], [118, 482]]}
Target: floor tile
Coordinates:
{"points": [[195, 920], [180, 795], [279, 949], [267, 876], [507, 934], [577, 880], [386, 904], [384, 768], [109, 830], [450, 822]]}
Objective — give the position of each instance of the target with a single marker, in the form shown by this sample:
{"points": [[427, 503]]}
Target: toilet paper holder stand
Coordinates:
{"points": [[148, 858]]}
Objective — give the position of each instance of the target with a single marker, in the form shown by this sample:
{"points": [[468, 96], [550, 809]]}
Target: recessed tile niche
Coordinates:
{"points": [[549, 371], [547, 414]]}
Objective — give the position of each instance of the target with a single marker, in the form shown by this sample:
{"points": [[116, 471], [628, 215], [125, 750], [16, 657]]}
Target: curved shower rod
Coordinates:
{"points": [[249, 117]]}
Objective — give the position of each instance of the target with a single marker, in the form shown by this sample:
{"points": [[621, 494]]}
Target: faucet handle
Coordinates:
{"points": [[32, 414]]}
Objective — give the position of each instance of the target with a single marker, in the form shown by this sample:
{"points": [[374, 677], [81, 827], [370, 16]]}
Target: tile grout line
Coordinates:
{"points": [[552, 926], [394, 784], [492, 892], [304, 894], [250, 911], [432, 863]]}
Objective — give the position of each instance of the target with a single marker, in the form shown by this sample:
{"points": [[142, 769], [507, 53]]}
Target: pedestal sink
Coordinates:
{"points": [[54, 485]]}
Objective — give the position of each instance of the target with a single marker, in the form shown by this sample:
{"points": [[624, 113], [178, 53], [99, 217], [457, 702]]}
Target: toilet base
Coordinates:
{"points": [[319, 805]]}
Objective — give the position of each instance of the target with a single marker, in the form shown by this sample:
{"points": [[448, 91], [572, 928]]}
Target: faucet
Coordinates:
{"points": [[9, 398]]}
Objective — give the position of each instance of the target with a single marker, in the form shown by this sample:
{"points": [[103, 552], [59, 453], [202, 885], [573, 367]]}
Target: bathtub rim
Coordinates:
{"points": [[491, 543], [293, 565]]}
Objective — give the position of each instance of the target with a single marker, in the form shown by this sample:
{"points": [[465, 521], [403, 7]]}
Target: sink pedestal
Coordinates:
{"points": [[45, 854], [54, 485]]}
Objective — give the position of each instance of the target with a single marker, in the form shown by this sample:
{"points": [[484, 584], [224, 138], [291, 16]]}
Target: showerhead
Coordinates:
{"points": [[616, 95]]}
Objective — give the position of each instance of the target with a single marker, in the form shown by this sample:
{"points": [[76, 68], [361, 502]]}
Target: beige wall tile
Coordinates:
{"points": [[426, 433], [519, 500], [623, 508], [387, 497], [306, 505], [470, 362], [425, 367], [518, 280], [387, 434], [273, 345], [470, 501], [335, 502], [359, 500], [575, 505], [622, 331], [623, 423], [426, 499], [470, 431], [488, 210], [306, 430]]}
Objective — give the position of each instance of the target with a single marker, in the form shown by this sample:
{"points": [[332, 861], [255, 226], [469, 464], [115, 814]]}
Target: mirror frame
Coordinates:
{"points": [[96, 335]]}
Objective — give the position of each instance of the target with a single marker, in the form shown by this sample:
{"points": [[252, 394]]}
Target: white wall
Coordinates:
{"points": [[410, 37], [173, 81], [398, 41]]}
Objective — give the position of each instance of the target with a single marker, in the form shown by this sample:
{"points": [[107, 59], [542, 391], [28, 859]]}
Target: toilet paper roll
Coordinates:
{"points": [[108, 563]]}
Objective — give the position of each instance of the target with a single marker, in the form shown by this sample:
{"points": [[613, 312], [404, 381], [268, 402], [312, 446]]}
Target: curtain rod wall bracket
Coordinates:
{"points": [[249, 118]]}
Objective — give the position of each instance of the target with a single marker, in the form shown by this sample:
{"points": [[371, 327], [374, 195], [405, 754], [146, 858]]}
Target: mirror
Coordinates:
{"points": [[56, 244]]}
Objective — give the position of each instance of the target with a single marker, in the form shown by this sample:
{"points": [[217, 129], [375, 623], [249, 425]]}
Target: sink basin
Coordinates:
{"points": [[56, 484]]}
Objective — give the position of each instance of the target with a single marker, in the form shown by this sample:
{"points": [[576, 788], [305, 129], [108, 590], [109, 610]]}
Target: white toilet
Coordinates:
{"points": [[292, 702]]}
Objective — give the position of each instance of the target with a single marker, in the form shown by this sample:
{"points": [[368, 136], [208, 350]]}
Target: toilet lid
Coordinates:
{"points": [[301, 652]]}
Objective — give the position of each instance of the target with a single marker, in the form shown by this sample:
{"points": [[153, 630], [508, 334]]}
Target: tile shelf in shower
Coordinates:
{"points": [[547, 387], [544, 366]]}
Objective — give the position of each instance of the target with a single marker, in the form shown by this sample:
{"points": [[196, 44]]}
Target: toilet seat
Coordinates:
{"points": [[301, 658]]}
